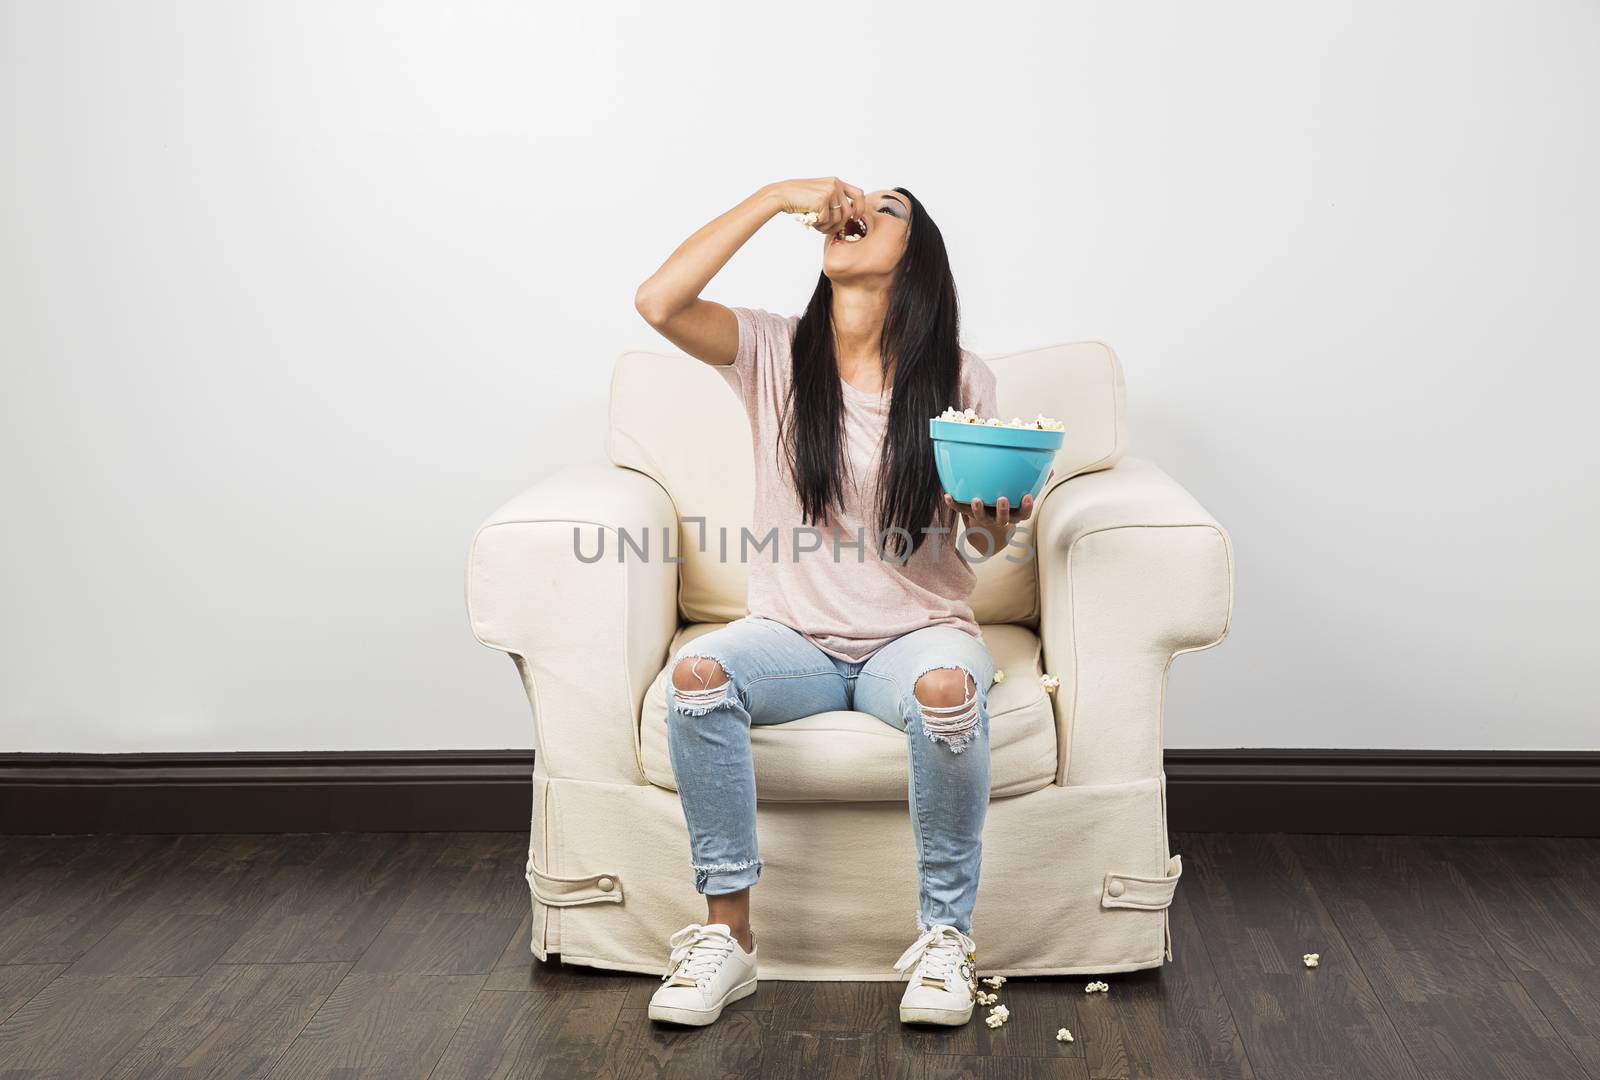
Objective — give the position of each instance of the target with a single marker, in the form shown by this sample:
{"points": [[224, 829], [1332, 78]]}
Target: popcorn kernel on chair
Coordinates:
{"points": [[1077, 876]]}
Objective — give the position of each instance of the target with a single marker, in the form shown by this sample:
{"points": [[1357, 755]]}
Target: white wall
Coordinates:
{"points": [[293, 294]]}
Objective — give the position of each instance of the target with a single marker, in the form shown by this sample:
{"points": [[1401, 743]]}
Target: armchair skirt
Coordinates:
{"points": [[840, 881]]}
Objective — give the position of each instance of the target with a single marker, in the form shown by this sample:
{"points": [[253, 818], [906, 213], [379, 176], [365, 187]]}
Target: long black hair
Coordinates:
{"points": [[920, 343]]}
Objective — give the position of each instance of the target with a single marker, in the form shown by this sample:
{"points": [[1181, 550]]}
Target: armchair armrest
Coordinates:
{"points": [[588, 637], [1132, 572]]}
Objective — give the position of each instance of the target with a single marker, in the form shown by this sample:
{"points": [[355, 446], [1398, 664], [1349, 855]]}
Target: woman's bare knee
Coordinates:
{"points": [[944, 688], [699, 684], [698, 673], [948, 701]]}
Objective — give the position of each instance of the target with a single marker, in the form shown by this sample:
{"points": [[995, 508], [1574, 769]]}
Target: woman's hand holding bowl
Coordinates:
{"points": [[1001, 516]]}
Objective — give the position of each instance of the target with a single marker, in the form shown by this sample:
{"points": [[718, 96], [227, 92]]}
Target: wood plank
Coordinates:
{"points": [[855, 1007], [31, 861], [20, 982], [1405, 915], [1538, 903], [833, 1055], [460, 915], [960, 1068], [80, 1025], [526, 1035], [1258, 915], [58, 912], [380, 1026], [333, 907], [642, 1049], [193, 914], [236, 1020]]}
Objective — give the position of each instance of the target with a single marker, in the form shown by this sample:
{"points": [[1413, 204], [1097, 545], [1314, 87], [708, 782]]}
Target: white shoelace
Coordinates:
{"points": [[938, 953], [698, 951]]}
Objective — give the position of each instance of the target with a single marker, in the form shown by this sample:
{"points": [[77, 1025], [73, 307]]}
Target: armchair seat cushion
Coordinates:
{"points": [[849, 756]]}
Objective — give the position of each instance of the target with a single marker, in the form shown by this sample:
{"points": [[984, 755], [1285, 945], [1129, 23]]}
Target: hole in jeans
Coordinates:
{"points": [[693, 685], [947, 703]]}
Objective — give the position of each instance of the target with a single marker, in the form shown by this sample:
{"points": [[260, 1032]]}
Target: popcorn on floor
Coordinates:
{"points": [[1311, 959], [996, 981], [1097, 987], [1063, 1035]]}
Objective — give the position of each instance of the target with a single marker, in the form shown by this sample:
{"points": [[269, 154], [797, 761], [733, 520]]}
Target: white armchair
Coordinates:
{"points": [[1077, 875]]}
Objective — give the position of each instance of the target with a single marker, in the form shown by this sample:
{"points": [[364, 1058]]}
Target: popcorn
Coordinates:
{"points": [[1050, 683], [994, 1021], [968, 416], [987, 999], [1311, 959], [1063, 1035], [809, 219], [996, 981], [1097, 987], [1001, 1011], [999, 676]]}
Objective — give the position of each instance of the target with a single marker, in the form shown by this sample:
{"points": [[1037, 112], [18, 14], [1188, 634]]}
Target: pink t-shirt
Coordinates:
{"points": [[855, 605]]}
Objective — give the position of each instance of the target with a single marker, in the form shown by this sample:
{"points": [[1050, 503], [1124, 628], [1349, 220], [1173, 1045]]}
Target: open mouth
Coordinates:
{"points": [[853, 231]]}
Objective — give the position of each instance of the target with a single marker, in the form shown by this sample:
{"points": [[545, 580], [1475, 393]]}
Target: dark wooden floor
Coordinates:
{"points": [[381, 955]]}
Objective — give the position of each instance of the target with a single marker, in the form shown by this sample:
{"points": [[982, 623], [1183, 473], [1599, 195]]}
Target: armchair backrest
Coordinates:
{"points": [[676, 420]]}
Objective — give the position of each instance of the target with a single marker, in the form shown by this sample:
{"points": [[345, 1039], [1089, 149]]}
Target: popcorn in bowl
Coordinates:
{"points": [[968, 416], [987, 458]]}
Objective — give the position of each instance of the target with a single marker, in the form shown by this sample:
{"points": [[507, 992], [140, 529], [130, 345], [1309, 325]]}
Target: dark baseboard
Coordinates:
{"points": [[1408, 792], [1460, 792], [312, 791]]}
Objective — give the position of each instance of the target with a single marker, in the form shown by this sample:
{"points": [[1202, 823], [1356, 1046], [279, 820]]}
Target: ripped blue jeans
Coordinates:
{"points": [[775, 675]]}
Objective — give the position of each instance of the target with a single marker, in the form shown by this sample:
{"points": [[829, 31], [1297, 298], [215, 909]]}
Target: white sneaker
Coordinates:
{"points": [[708, 968], [944, 986]]}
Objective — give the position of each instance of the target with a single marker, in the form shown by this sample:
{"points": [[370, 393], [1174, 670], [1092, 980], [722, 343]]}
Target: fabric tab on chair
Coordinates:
{"points": [[565, 892], [1145, 893]]}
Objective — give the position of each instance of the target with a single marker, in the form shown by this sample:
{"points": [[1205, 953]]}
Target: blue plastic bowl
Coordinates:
{"points": [[985, 461]]}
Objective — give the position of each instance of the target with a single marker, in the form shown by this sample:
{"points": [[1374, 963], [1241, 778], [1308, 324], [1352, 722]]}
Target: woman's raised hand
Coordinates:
{"points": [[831, 199]]}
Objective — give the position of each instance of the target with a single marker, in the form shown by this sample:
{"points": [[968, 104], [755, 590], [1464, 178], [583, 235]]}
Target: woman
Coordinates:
{"points": [[869, 612]]}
